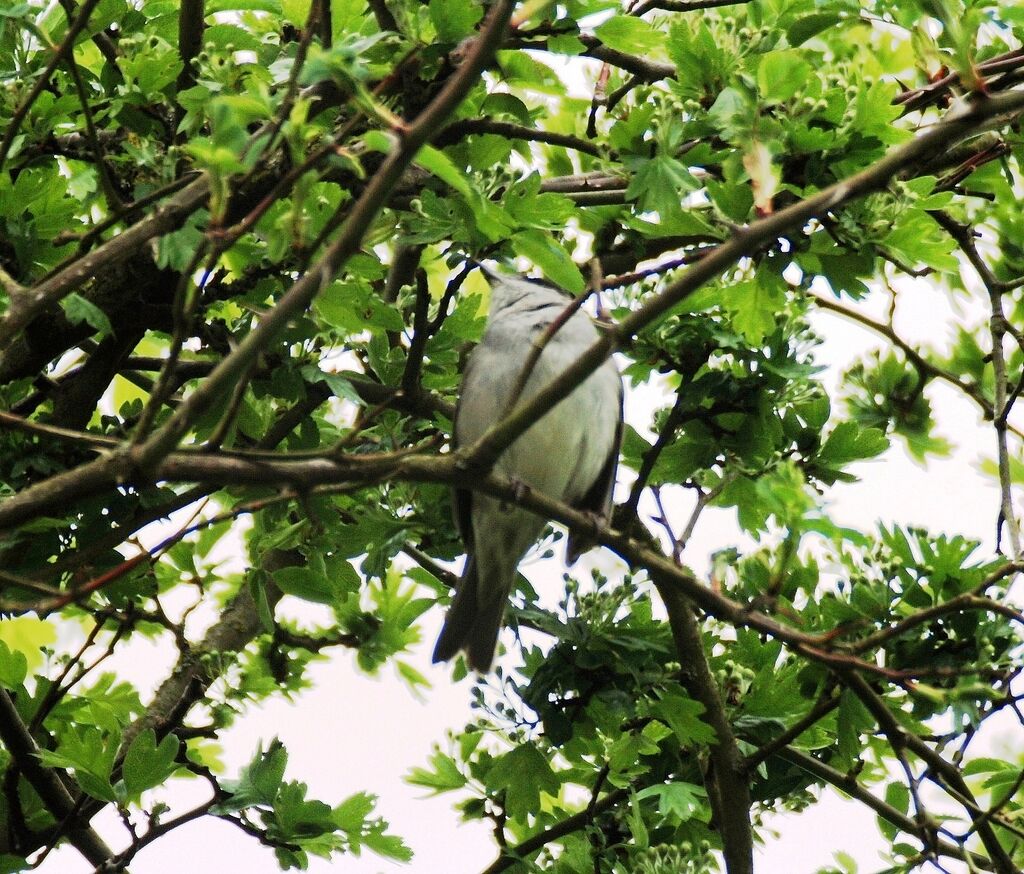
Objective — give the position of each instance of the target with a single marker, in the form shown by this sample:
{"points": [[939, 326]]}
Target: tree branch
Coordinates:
{"points": [[512, 855], [457, 130], [923, 366], [22, 747], [944, 773], [302, 292], [848, 783], [726, 779]]}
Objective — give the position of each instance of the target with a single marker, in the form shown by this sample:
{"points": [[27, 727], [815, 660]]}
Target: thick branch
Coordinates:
{"points": [[24, 752], [190, 39], [726, 780]]}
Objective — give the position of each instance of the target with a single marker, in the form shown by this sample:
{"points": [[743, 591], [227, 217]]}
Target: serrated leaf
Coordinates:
{"points": [[896, 795], [678, 801], [754, 304], [524, 774], [444, 776], [147, 764], [682, 714], [259, 782]]}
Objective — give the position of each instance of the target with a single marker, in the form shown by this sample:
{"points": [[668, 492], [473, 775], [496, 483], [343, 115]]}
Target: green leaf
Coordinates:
{"points": [[437, 162], [987, 765], [682, 714], [28, 636], [545, 251], [147, 764], [528, 206], [13, 667], [500, 103], [852, 719], [635, 821], [90, 756], [271, 6], [352, 307], [443, 777], [84, 312], [304, 582], [353, 817], [634, 36], [754, 304], [678, 801], [660, 183], [848, 442], [524, 774], [295, 12], [896, 795], [809, 26], [489, 217], [454, 19], [781, 74], [260, 780]]}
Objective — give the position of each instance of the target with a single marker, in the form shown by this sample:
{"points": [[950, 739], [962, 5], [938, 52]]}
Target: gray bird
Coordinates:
{"points": [[570, 454]]}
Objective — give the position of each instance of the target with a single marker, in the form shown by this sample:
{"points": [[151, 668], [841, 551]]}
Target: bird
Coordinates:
{"points": [[570, 454]]}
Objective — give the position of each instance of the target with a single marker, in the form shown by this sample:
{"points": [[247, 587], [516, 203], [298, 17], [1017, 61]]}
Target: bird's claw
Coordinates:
{"points": [[519, 491]]}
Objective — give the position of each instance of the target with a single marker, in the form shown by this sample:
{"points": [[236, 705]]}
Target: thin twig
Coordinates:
{"points": [[942, 773], [848, 783], [923, 366], [682, 5], [457, 130], [822, 708], [511, 856]]}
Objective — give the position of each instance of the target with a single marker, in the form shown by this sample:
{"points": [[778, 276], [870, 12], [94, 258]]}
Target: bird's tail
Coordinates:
{"points": [[472, 623]]}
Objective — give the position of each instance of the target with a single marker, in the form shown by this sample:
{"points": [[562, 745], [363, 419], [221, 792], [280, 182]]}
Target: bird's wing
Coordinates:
{"points": [[598, 499], [462, 499]]}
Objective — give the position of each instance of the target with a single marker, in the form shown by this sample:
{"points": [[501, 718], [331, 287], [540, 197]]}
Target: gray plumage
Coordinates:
{"points": [[570, 454]]}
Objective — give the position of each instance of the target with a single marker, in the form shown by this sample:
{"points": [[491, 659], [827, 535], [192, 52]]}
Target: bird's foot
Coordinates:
{"points": [[519, 491], [596, 524], [584, 537]]}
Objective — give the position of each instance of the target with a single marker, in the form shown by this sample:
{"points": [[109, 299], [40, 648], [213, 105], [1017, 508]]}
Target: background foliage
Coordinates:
{"points": [[236, 243]]}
